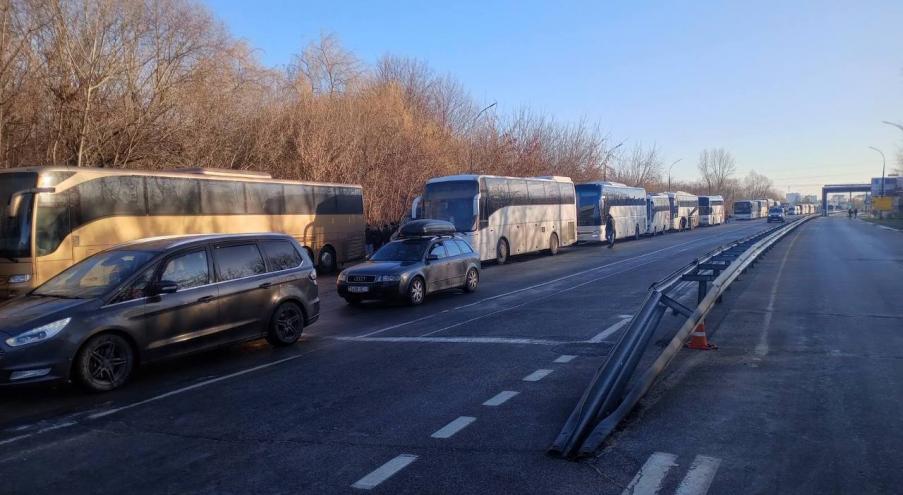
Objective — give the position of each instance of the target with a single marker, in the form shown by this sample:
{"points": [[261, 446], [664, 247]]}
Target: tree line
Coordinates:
{"points": [[161, 84]]}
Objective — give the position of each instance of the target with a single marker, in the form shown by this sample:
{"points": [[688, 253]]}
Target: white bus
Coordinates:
{"points": [[610, 211], [711, 210], [746, 209], [684, 210], [764, 206], [504, 216], [658, 214]]}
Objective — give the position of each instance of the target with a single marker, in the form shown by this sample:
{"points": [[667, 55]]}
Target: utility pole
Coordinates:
{"points": [[606, 159], [883, 165], [669, 172]]}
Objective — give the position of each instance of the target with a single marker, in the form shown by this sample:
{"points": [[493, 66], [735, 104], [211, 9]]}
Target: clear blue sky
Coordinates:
{"points": [[795, 89]]}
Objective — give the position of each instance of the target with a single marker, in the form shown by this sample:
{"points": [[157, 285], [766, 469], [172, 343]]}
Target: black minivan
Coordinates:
{"points": [[157, 298]]}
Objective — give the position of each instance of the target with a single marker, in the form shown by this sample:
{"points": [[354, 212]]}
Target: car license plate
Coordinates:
{"points": [[358, 289]]}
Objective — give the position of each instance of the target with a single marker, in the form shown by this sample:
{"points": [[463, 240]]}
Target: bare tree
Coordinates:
{"points": [[716, 166], [757, 186], [325, 67], [640, 166]]}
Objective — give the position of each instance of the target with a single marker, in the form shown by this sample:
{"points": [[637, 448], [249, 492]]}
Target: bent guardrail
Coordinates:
{"points": [[606, 402]]}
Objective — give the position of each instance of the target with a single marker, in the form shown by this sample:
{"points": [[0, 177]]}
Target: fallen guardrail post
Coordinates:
{"points": [[606, 401]]}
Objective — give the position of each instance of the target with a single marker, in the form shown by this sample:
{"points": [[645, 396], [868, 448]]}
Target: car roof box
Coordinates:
{"points": [[426, 227]]}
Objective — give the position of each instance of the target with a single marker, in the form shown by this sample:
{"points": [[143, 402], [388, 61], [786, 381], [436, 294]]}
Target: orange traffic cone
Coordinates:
{"points": [[698, 339]]}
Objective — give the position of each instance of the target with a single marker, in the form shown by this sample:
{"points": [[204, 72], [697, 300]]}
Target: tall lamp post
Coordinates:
{"points": [[669, 172], [883, 165], [606, 159], [472, 124]]}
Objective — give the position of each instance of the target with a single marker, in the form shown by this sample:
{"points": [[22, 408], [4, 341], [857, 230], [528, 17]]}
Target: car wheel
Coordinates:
{"points": [[416, 291], [104, 363], [553, 244], [471, 280], [502, 252], [286, 325], [326, 262]]}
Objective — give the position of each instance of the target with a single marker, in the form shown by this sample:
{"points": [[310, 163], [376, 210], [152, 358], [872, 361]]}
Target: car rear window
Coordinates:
{"points": [[281, 255], [237, 261]]}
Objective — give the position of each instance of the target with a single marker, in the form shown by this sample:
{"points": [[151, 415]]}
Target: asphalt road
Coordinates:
{"points": [[460, 395], [805, 391]]}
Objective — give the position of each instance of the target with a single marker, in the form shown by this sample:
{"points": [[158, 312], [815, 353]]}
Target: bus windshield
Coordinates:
{"points": [[742, 207], [588, 212], [451, 201], [15, 231]]}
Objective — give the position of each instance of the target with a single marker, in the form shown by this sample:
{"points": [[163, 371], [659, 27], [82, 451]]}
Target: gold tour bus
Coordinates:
{"points": [[55, 216]]}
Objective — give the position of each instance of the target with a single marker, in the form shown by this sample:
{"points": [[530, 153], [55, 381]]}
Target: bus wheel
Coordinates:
{"points": [[502, 252], [636, 233], [326, 263], [553, 244]]}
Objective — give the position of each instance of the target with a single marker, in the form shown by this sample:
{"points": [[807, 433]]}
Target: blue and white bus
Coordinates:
{"points": [[504, 216], [658, 214], [609, 211]]}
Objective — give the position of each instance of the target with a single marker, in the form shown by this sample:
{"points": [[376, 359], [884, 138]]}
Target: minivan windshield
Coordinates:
{"points": [[95, 276], [405, 250]]}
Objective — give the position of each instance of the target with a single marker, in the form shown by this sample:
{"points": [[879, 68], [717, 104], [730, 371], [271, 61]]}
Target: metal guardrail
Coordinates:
{"points": [[606, 402]]}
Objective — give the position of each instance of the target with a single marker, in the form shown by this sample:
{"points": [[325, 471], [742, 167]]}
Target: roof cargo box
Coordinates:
{"points": [[427, 227]]}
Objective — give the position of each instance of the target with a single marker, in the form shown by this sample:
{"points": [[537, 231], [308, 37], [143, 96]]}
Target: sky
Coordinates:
{"points": [[796, 90]]}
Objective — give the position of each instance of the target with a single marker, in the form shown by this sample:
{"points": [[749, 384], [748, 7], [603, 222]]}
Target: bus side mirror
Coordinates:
{"points": [[15, 201]]}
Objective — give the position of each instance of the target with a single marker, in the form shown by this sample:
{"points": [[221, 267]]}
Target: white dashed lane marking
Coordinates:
{"points": [[567, 358], [500, 398], [384, 472], [537, 375], [455, 426]]}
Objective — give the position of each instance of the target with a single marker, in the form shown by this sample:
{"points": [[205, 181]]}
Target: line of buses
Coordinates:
{"points": [[54, 217]]}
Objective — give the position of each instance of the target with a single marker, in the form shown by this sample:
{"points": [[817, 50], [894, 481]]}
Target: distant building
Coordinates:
{"points": [[810, 198], [793, 198]]}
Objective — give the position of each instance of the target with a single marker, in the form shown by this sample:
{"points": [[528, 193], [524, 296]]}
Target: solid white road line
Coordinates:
{"points": [[384, 472], [700, 477], [455, 426], [648, 481], [198, 385], [565, 358], [14, 439], [500, 398], [608, 332], [455, 340], [537, 375], [548, 282]]}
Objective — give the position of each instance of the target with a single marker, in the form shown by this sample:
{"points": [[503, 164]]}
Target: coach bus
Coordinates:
{"points": [[504, 216], [746, 209], [711, 210], [684, 210], [658, 214], [56, 216], [610, 211], [764, 206]]}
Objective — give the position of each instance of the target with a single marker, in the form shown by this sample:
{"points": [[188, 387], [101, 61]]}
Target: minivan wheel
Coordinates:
{"points": [[326, 262], [105, 362], [471, 280], [286, 325], [416, 291], [502, 252], [553, 244]]}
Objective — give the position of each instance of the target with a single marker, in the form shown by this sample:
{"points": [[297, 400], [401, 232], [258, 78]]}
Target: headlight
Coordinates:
{"points": [[388, 278], [19, 279], [342, 277], [43, 332]]}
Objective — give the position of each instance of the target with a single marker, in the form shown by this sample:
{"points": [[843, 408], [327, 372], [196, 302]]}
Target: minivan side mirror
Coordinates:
{"points": [[166, 287]]}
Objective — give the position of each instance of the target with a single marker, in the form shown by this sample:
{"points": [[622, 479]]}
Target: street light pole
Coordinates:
{"points": [[883, 165], [669, 172], [470, 135], [606, 159]]}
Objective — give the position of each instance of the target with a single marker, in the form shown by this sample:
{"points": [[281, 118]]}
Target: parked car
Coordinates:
{"points": [[776, 214], [151, 299], [427, 257]]}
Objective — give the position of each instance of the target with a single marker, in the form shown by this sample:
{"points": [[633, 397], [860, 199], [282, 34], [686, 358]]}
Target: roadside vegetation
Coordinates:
{"points": [[163, 84]]}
